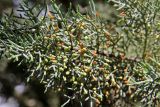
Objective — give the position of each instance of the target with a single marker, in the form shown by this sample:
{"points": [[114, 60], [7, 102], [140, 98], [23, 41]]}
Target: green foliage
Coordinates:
{"points": [[86, 54], [140, 26]]}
